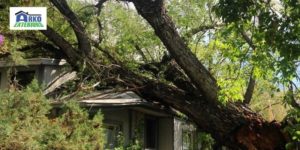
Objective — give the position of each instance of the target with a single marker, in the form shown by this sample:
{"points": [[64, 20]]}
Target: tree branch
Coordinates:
{"points": [[82, 38], [248, 39], [140, 51], [72, 55], [250, 89], [251, 84], [99, 6], [292, 97]]}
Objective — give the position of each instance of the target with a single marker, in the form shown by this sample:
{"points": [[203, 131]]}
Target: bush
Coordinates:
{"points": [[293, 128], [24, 123]]}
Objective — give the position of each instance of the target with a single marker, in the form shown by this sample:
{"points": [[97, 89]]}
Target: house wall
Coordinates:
{"points": [[170, 129], [177, 134], [181, 126], [133, 126], [118, 116], [50, 73], [45, 74]]}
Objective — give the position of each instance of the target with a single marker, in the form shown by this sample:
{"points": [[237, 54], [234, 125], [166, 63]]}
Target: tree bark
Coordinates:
{"points": [[250, 89], [155, 13], [233, 125], [72, 56], [252, 81]]}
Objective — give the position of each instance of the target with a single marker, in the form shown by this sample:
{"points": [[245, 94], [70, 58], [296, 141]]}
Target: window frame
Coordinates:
{"points": [[117, 127]]}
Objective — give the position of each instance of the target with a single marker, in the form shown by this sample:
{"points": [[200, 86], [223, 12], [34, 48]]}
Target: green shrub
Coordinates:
{"points": [[293, 128], [24, 123]]}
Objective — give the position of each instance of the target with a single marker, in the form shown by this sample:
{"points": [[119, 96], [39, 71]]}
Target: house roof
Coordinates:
{"points": [[35, 61], [129, 99], [103, 98], [21, 12], [111, 98]]}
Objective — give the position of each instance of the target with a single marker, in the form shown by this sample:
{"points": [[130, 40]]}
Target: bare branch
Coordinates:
{"points": [[251, 83]]}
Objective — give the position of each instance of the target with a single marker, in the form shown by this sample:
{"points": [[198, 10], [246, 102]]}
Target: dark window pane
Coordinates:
{"points": [[22, 78], [151, 133]]}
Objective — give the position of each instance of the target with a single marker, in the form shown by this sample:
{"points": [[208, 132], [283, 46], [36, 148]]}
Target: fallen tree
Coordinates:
{"points": [[194, 91]]}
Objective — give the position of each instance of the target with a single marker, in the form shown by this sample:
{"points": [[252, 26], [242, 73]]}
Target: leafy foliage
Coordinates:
{"points": [[293, 128], [135, 144], [268, 101], [128, 35], [273, 27], [25, 124], [206, 141]]}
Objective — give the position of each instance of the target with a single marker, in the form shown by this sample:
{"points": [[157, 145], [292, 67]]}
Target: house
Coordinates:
{"points": [[21, 16], [125, 113]]}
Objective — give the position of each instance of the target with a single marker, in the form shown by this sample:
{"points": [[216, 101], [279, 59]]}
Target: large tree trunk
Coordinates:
{"points": [[195, 91], [233, 124], [155, 13]]}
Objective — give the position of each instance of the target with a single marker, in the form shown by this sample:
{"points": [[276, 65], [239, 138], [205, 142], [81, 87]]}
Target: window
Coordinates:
{"points": [[151, 129], [187, 140], [21, 79], [111, 131]]}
